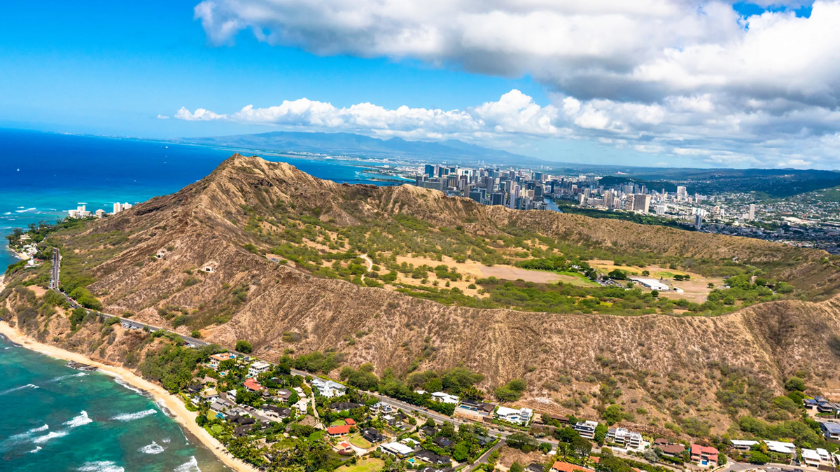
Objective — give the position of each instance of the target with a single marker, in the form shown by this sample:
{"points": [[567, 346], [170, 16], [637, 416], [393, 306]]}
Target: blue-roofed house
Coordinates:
{"points": [[831, 430]]}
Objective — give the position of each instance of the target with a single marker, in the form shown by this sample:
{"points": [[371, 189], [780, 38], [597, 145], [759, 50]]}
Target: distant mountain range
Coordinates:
{"points": [[348, 144]]}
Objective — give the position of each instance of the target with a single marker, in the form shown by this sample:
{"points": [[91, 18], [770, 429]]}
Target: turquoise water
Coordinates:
{"points": [[59, 419], [42, 175]]}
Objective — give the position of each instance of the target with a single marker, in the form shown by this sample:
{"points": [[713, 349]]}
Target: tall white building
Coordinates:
{"points": [[682, 194], [752, 211]]}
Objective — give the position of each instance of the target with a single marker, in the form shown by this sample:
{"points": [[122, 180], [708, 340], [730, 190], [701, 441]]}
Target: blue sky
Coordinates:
{"points": [[114, 67]]}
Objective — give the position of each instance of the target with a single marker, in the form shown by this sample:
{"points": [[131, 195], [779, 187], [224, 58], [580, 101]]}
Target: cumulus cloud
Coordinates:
{"points": [[162, 117], [200, 114], [690, 74]]}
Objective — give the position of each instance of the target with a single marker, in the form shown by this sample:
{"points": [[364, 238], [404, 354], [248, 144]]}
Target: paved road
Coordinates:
{"points": [[55, 274], [485, 456]]}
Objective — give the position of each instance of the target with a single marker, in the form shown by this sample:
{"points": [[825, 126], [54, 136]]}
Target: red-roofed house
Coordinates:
{"points": [[253, 385], [350, 422], [345, 449], [560, 466], [704, 455], [338, 430]]}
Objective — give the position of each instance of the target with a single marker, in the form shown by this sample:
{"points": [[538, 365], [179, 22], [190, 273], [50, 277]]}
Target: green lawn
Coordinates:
{"points": [[337, 423], [364, 465], [359, 441], [582, 280]]}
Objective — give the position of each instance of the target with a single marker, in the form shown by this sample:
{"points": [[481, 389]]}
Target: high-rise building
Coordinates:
{"points": [[641, 202], [429, 171], [608, 199], [698, 221], [752, 211], [681, 193]]}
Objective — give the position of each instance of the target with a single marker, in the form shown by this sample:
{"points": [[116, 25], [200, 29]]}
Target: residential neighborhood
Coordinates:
{"points": [[254, 401]]}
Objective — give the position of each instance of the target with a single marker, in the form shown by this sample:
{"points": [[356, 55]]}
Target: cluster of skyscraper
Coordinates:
{"points": [[517, 189], [82, 212]]}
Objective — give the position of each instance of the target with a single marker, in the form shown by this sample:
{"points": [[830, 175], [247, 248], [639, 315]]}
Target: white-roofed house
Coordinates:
{"points": [[810, 457], [521, 416], [396, 449], [257, 368], [328, 388], [445, 398]]}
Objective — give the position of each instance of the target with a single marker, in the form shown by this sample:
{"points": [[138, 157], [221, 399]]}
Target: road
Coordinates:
{"points": [[55, 274], [486, 455]]}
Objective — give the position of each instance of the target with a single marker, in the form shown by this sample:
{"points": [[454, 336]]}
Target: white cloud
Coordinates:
{"points": [[691, 74], [200, 115], [513, 113], [162, 117]]}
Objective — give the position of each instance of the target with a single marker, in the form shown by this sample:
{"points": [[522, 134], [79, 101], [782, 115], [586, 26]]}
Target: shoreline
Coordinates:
{"points": [[179, 412]]}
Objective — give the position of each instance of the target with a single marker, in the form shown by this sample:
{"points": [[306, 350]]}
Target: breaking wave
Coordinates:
{"points": [[134, 416], [133, 389], [80, 420], [190, 466], [153, 448], [48, 436], [37, 448], [18, 388], [101, 466], [30, 432]]}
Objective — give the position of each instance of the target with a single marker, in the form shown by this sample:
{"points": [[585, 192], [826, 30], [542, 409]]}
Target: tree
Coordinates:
{"points": [[601, 433], [461, 452], [581, 447], [612, 414], [795, 384], [243, 347], [757, 457], [516, 467], [654, 293], [651, 455]]}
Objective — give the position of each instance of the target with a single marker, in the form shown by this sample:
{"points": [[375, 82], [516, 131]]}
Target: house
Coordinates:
{"points": [[478, 406], [344, 406], [824, 455], [772, 446], [437, 469], [560, 466], [240, 420], [672, 450], [535, 467], [338, 430], [390, 420], [252, 385], [344, 448], [483, 440], [428, 431], [521, 416], [704, 455], [810, 457], [827, 407], [258, 368], [443, 441], [328, 388], [283, 395], [372, 435], [242, 430], [623, 436], [586, 429], [433, 458], [396, 449], [383, 407], [831, 430], [442, 397], [810, 403], [219, 407], [272, 411], [302, 405], [217, 359], [350, 422]]}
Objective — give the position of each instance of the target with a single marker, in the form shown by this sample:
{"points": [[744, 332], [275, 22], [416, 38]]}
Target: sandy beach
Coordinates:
{"points": [[183, 416]]}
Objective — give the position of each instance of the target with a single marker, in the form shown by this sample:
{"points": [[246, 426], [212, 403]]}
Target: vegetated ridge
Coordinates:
{"points": [[197, 258]]}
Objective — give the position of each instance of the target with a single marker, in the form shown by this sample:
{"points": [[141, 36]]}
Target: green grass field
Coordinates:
{"points": [[364, 465], [337, 423], [359, 441], [580, 279]]}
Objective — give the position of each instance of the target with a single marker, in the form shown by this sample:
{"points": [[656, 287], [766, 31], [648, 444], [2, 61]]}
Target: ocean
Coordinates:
{"points": [[54, 418], [59, 419], [42, 175]]}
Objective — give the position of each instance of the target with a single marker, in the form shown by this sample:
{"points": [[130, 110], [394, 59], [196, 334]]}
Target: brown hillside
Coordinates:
{"points": [[670, 367]]}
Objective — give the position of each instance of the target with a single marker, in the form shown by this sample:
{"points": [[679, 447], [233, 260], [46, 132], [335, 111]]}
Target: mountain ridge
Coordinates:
{"points": [[360, 146], [151, 261]]}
